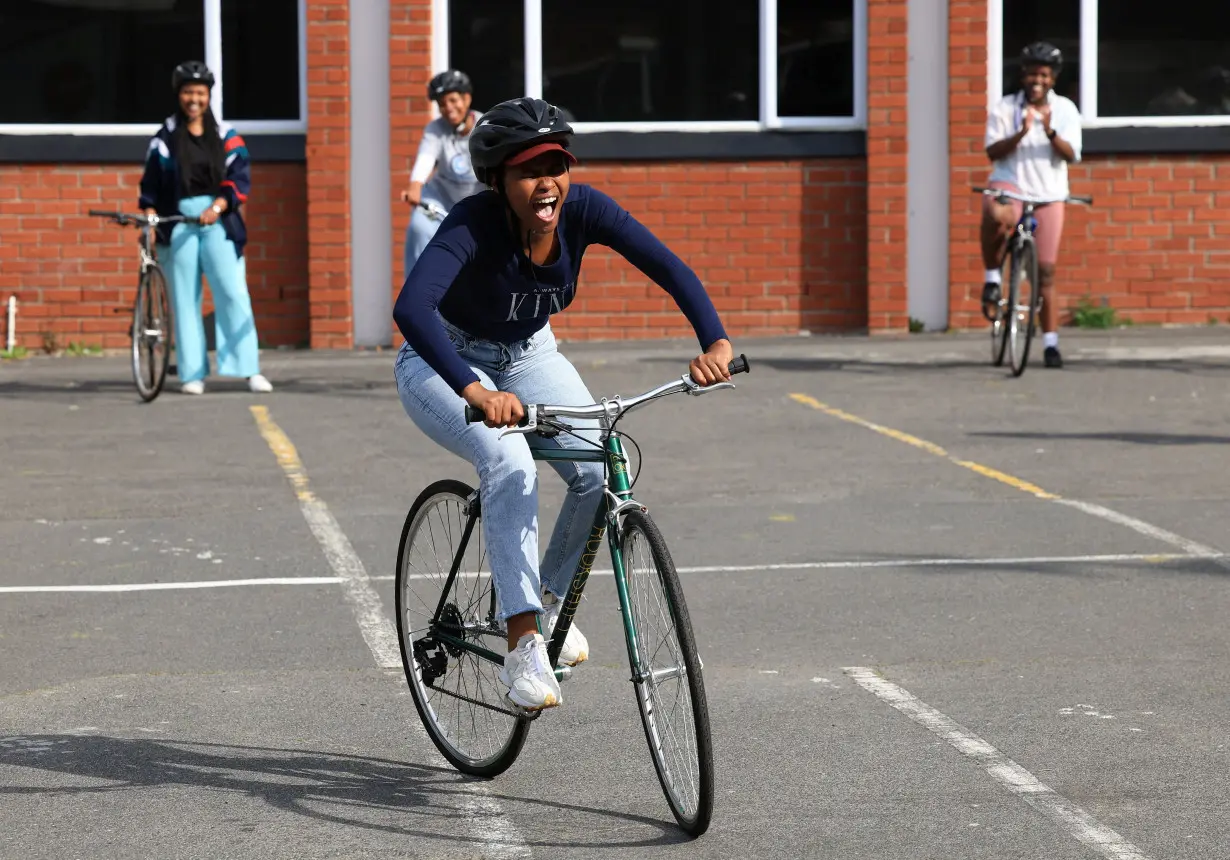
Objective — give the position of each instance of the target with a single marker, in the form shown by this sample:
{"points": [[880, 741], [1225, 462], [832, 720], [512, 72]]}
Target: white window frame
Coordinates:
{"points": [[768, 119], [213, 59], [1089, 75]]}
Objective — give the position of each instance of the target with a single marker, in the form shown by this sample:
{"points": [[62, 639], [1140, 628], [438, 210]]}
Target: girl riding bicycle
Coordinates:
{"points": [[1031, 137], [444, 150], [475, 312]]}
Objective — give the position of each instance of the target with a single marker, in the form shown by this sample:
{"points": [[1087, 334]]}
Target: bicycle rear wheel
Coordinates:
{"points": [[457, 693], [670, 690], [1025, 295], [151, 333]]}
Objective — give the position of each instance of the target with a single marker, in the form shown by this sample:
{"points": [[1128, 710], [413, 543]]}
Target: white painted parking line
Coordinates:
{"points": [[1190, 547], [500, 838], [1018, 561], [1076, 821], [373, 623], [169, 586]]}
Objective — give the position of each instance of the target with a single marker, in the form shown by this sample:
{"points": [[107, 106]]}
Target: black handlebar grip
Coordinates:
{"points": [[476, 416], [101, 212], [740, 365]]}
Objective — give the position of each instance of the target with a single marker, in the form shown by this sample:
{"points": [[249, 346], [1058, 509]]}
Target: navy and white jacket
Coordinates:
{"points": [[160, 186], [474, 275]]}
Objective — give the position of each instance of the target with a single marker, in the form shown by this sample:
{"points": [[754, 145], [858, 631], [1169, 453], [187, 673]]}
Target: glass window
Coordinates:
{"points": [[652, 60], [486, 40], [1153, 63], [68, 62], [260, 59], [1054, 21], [815, 58]]}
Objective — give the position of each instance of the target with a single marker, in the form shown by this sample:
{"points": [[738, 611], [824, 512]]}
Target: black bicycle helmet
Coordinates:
{"points": [[1042, 54], [513, 127], [451, 81], [191, 72]]}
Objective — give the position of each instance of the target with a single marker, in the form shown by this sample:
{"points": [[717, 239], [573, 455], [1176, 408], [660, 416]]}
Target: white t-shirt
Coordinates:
{"points": [[448, 152], [1034, 166]]}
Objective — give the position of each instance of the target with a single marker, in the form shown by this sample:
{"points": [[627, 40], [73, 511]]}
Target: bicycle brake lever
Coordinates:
{"points": [[530, 426], [696, 389]]}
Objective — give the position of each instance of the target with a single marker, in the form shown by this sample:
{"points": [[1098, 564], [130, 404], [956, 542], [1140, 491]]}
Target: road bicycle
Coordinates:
{"points": [[453, 643], [152, 329], [1016, 320]]}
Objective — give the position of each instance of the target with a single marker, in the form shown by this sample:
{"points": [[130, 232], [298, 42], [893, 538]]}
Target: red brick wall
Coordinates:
{"points": [[968, 166], [1155, 246], [780, 246], [75, 276], [328, 173], [887, 210]]}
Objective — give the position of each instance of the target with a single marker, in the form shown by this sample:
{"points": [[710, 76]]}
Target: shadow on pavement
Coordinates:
{"points": [[319, 785]]}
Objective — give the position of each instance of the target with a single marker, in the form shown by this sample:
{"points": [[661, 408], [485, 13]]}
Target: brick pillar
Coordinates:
{"points": [[328, 174], [409, 110], [886, 166], [967, 116]]}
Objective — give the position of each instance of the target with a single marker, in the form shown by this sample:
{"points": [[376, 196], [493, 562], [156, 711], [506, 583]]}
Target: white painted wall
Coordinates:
{"points": [[927, 137], [371, 237]]}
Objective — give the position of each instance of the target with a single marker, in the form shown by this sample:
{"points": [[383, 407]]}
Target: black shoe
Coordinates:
{"points": [[990, 301], [1051, 357]]}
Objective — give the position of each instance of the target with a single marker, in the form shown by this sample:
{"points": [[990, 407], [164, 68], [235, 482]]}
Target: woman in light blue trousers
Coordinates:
{"points": [[199, 167]]}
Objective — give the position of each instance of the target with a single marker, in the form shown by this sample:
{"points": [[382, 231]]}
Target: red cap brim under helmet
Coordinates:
{"points": [[537, 150]]}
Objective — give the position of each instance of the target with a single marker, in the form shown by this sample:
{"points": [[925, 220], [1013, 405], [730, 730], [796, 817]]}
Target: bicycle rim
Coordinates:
{"points": [[1022, 306], [475, 733], [670, 690], [151, 334]]}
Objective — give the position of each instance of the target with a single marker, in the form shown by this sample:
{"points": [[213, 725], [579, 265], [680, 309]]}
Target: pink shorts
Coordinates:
{"points": [[1050, 222]]}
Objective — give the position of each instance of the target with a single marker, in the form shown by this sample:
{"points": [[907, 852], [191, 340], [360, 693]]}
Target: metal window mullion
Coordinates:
{"points": [[213, 51], [768, 64], [1089, 59], [995, 51], [533, 48], [303, 77], [860, 62]]}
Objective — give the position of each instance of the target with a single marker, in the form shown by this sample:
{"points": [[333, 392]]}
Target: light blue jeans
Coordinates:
{"points": [[536, 372], [419, 232], [192, 250]]}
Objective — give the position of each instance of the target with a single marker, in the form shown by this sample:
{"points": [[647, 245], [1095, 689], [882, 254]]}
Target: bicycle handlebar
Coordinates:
{"points": [[613, 409], [1004, 194], [142, 220]]}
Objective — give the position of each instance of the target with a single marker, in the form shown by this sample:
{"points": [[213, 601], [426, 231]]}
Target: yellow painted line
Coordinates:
{"points": [[282, 448], [924, 445]]}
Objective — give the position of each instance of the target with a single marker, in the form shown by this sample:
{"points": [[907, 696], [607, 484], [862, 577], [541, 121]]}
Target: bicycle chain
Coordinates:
{"points": [[528, 715]]}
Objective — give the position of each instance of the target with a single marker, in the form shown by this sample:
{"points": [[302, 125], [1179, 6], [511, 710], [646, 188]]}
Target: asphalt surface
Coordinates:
{"points": [[1083, 637]]}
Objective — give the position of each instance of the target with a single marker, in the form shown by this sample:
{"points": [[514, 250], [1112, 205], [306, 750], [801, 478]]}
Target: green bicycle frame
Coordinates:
{"points": [[620, 488]]}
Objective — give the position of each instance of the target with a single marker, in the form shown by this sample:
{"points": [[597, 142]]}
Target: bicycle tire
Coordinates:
{"points": [[151, 333], [695, 811], [425, 514], [999, 338], [1024, 270]]}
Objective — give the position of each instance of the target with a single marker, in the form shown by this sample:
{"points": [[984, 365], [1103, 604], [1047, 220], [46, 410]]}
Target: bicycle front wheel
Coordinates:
{"points": [[1025, 296], [458, 693], [151, 333], [670, 690]]}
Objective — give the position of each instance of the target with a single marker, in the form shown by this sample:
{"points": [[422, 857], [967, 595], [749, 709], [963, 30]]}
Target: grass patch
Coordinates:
{"points": [[15, 352], [77, 348], [1086, 314], [916, 325]]}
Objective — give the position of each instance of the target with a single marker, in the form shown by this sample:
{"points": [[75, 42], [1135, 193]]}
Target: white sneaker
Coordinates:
{"points": [[576, 646], [196, 386], [527, 672], [259, 384]]}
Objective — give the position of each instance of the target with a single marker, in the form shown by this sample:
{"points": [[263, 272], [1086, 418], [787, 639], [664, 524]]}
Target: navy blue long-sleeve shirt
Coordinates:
{"points": [[474, 272]]}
